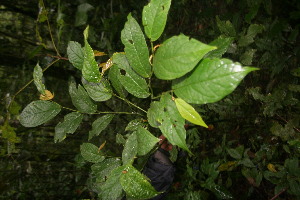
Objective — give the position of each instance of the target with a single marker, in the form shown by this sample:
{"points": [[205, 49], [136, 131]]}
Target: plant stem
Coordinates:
{"points": [[50, 32], [127, 101]]}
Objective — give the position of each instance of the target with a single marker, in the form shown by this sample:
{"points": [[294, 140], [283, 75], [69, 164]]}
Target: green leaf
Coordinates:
{"points": [[37, 77], [113, 76], [189, 113], [130, 149], [146, 141], [112, 188], [135, 47], [69, 125], [222, 43], [75, 54], [136, 185], [247, 57], [234, 153], [102, 169], [178, 56], [166, 117], [81, 14], [90, 69], [133, 125], [211, 81], [155, 114], [131, 81], [38, 112], [90, 153], [100, 124], [81, 99], [226, 27], [98, 91], [155, 18]]}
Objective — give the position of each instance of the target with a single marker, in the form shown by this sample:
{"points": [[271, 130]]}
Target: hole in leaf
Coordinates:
{"points": [[130, 41], [174, 125], [165, 109], [123, 72], [163, 7]]}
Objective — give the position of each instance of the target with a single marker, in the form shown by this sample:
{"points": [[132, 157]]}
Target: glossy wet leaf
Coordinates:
{"points": [[221, 192], [98, 91], [222, 43], [37, 77], [165, 116], [69, 125], [155, 18], [75, 54], [135, 47], [211, 81], [100, 124], [133, 125], [39, 112], [132, 82], [102, 170], [146, 141], [189, 113], [113, 76], [90, 69], [81, 99], [112, 189], [130, 149], [90, 153], [135, 184], [178, 56]]}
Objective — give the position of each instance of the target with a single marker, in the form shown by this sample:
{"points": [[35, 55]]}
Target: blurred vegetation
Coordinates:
{"points": [[251, 149]]}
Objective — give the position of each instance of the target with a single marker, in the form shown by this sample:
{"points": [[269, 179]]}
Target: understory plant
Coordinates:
{"points": [[169, 78]]}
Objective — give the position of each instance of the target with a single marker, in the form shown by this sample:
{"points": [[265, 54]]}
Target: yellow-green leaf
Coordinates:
{"points": [[189, 113]]}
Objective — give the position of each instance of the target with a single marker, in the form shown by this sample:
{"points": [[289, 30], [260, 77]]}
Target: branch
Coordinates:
{"points": [[278, 194]]}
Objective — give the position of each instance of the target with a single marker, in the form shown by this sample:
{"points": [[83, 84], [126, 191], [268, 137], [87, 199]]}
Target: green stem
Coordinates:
{"points": [[130, 103]]}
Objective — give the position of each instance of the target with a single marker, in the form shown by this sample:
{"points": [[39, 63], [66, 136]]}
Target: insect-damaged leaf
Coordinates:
{"points": [[135, 47], [37, 77], [69, 125], [189, 113], [132, 82], [38, 112], [155, 18], [101, 170], [178, 56], [113, 76], [75, 54], [100, 124], [90, 153], [165, 116], [112, 189], [135, 184], [81, 99], [211, 81]]}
